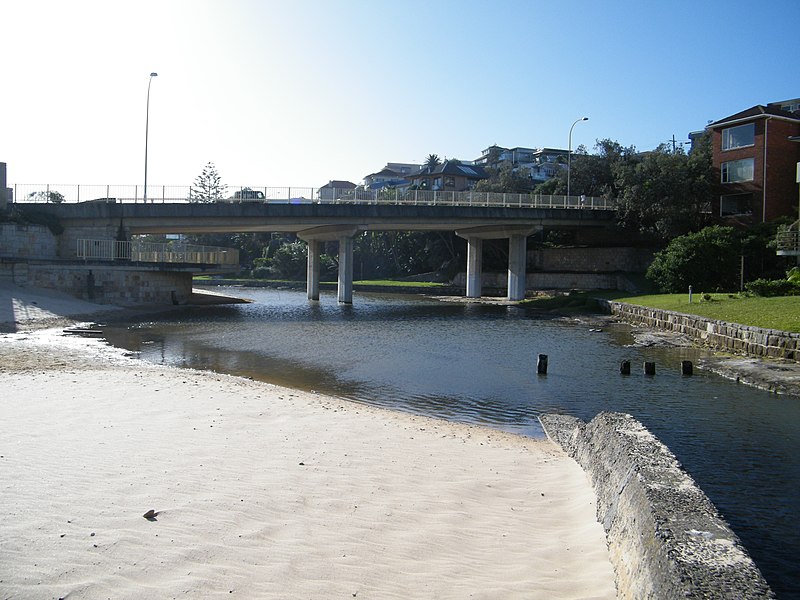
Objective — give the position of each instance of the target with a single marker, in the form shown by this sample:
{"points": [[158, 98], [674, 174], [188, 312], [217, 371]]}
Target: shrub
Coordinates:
{"points": [[289, 261], [706, 259], [770, 288], [261, 273]]}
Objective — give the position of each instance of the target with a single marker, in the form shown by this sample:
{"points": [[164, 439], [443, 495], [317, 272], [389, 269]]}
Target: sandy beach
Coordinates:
{"points": [[260, 491]]}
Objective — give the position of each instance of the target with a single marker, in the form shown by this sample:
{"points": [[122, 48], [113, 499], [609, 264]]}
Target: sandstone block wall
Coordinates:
{"points": [[68, 241], [666, 539], [555, 281], [119, 286], [574, 268], [721, 335], [26, 241], [590, 260]]}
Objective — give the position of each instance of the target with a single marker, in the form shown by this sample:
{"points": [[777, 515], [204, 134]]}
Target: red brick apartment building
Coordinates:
{"points": [[756, 154]]}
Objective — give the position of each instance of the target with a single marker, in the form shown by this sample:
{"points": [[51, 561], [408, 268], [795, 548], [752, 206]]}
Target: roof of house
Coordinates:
{"points": [[386, 173], [756, 112], [450, 167], [339, 185]]}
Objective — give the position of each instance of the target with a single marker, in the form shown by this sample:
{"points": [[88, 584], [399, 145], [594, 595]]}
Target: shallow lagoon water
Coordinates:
{"points": [[477, 363]]}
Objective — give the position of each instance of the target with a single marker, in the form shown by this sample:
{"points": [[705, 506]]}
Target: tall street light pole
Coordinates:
{"points": [[146, 132], [569, 151]]}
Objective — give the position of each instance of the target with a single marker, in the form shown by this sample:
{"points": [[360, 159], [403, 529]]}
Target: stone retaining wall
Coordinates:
{"points": [[117, 285], [26, 241], [665, 537], [555, 281], [590, 260], [721, 335]]}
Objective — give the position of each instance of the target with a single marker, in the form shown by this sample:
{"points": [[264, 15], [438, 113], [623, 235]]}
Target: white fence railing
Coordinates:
{"points": [[43, 193], [788, 239], [170, 252]]}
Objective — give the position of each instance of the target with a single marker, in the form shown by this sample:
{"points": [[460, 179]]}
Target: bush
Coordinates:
{"points": [[289, 261], [770, 288], [261, 273], [707, 259]]}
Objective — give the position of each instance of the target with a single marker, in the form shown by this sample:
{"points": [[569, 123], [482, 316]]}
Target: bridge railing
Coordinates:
{"points": [[57, 193], [170, 252]]}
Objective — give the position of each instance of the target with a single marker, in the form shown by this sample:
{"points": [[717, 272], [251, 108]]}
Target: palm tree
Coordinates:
{"points": [[433, 161]]}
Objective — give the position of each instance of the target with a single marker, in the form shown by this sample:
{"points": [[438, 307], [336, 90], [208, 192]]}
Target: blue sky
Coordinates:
{"points": [[299, 92]]}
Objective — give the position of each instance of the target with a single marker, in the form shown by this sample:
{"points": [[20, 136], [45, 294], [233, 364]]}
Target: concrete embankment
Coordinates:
{"points": [[720, 335], [666, 539]]}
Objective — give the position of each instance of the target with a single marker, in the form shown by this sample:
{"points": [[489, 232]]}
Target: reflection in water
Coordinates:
{"points": [[477, 363]]}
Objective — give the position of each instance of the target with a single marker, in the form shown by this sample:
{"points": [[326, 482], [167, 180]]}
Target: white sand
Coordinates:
{"points": [[266, 492], [28, 307]]}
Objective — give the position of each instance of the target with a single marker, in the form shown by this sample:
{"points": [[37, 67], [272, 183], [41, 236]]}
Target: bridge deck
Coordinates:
{"points": [[264, 217]]}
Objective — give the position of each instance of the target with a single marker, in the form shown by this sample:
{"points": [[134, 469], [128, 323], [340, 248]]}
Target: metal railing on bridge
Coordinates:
{"points": [[788, 239], [170, 252], [56, 193]]}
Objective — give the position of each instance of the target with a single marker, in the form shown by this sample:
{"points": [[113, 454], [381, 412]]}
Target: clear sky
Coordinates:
{"points": [[299, 92]]}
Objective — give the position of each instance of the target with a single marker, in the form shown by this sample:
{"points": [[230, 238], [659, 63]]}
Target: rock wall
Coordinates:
{"points": [[590, 260], [116, 285], [721, 335], [665, 537], [554, 281], [574, 269], [68, 241], [32, 255], [26, 241]]}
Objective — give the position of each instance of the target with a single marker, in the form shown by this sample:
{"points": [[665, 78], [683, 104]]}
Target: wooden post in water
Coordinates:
{"points": [[625, 367], [649, 368], [686, 367], [541, 364]]}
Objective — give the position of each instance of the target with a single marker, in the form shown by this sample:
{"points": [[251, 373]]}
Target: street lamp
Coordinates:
{"points": [[146, 132], [569, 152]]}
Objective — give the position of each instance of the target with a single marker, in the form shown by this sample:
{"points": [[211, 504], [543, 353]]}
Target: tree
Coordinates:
{"points": [[289, 261], [506, 179], [708, 260], [208, 186], [48, 196], [433, 161], [591, 174], [664, 193]]}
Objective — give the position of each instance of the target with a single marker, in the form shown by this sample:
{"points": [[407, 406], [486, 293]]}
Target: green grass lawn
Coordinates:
{"points": [[393, 283], [772, 313]]}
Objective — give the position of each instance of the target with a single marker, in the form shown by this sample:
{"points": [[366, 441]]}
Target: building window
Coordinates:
{"points": [[736, 205], [738, 137], [734, 171], [449, 182]]}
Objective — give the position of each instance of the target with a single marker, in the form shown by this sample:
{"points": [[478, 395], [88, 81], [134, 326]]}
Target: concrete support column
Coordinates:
{"points": [[315, 236], [3, 197], [346, 269], [474, 266], [312, 269], [517, 259]]}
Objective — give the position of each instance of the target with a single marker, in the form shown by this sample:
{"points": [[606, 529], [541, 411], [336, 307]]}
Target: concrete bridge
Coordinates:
{"points": [[474, 217]]}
